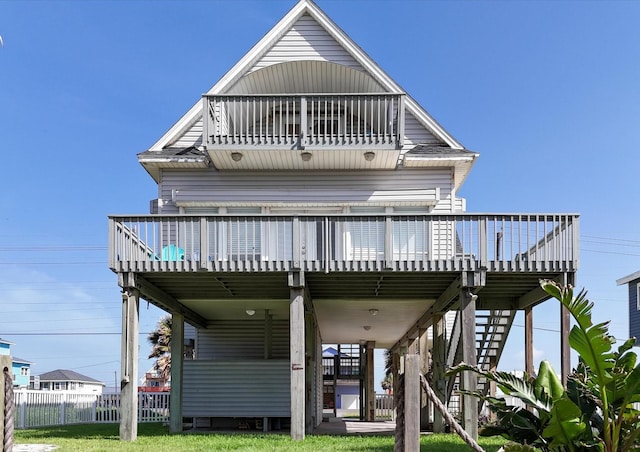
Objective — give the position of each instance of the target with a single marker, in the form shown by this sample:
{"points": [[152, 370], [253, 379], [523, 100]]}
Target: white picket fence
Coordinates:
{"points": [[385, 410], [47, 408]]}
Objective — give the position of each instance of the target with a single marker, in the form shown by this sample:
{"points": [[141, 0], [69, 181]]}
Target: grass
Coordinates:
{"points": [[156, 438]]}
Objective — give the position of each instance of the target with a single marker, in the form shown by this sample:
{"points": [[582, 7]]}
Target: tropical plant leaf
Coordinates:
{"points": [[632, 387], [548, 381], [565, 425], [510, 385], [592, 342]]}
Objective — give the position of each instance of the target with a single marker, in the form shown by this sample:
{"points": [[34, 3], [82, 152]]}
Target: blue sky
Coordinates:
{"points": [[547, 92]]}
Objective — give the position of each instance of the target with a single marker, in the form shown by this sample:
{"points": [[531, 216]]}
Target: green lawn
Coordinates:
{"points": [[156, 438]]}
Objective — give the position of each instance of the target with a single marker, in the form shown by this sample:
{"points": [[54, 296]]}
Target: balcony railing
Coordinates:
{"points": [[340, 367], [303, 121], [513, 242]]}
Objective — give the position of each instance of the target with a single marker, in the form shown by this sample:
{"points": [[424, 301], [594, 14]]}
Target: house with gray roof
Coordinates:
{"points": [[67, 381]]}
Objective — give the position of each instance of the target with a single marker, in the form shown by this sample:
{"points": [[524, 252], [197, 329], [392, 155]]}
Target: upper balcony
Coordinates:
{"points": [[303, 131], [509, 243]]}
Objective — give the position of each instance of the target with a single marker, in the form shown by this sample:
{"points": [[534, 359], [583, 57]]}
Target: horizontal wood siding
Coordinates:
{"points": [[236, 388], [221, 185], [242, 339], [306, 40]]}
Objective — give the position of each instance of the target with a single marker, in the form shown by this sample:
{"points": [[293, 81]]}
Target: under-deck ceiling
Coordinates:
{"points": [[342, 301]]}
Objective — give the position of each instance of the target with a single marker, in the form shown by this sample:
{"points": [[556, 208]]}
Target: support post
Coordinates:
{"points": [[439, 356], [129, 365], [528, 340], [370, 411], [412, 403], [565, 328], [395, 373], [177, 367], [296, 354], [469, 356]]}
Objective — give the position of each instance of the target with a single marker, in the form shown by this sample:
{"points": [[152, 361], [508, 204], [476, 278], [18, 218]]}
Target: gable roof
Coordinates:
{"points": [[246, 63], [67, 375], [628, 278]]}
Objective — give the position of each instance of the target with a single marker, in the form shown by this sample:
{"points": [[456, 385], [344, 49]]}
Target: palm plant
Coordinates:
{"points": [[594, 412], [160, 340]]}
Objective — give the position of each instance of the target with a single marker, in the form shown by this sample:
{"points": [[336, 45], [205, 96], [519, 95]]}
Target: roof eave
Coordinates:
{"points": [[628, 278]]}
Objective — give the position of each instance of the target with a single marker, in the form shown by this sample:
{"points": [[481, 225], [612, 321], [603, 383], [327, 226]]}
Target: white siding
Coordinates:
{"points": [[242, 339], [415, 133], [220, 186], [306, 40], [237, 388], [192, 136]]}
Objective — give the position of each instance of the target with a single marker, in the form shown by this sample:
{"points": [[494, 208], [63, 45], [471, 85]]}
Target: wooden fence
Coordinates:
{"points": [[47, 408]]}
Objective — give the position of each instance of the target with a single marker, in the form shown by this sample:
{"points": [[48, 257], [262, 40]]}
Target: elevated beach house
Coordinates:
{"points": [[308, 199]]}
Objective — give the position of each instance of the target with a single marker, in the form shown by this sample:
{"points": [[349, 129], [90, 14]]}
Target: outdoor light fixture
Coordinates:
{"points": [[373, 311], [369, 155], [236, 156], [306, 156], [250, 311]]}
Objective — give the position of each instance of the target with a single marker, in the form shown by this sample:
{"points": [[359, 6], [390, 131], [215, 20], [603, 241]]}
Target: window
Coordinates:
{"points": [[638, 296], [24, 371], [244, 236]]}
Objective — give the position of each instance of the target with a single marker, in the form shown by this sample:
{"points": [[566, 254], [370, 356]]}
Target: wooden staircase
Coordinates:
{"points": [[492, 330]]}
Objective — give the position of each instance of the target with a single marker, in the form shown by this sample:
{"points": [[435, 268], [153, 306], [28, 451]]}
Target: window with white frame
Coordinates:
{"points": [[638, 296], [24, 371]]}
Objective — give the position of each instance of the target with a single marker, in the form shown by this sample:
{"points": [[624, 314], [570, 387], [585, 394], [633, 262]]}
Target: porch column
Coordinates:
{"points": [[469, 356], [528, 341], [129, 365], [296, 354], [438, 355], [177, 366], [370, 412], [412, 403]]}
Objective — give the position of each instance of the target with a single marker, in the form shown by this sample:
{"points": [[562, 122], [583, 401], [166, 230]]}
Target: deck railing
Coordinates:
{"points": [[509, 242], [303, 121]]}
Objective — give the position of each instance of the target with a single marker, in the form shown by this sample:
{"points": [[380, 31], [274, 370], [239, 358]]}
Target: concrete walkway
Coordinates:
{"points": [[34, 447], [339, 426]]}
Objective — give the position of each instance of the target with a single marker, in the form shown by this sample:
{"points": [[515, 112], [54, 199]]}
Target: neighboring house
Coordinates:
{"points": [[20, 368], [308, 199], [153, 381], [342, 377], [633, 284], [67, 381]]}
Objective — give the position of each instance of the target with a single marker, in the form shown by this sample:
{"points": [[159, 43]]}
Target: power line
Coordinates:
{"points": [[610, 252], [612, 239]]}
